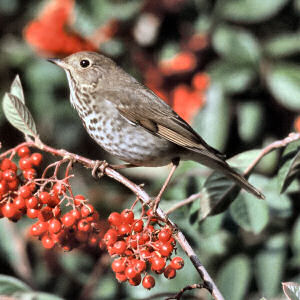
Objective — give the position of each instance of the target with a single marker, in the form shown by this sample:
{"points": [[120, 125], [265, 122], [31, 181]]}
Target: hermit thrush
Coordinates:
{"points": [[131, 122]]}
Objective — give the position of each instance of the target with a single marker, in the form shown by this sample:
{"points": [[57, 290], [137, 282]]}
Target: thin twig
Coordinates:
{"points": [[187, 288], [184, 202], [292, 137]]}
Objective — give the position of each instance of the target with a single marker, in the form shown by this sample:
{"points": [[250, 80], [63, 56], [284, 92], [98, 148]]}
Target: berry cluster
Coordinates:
{"points": [[25, 194], [140, 247]]}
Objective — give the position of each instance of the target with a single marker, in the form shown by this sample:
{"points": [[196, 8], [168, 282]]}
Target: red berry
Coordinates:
{"points": [[25, 163], [44, 197], [110, 237], [79, 199], [121, 277], [20, 203], [138, 226], [127, 216], [169, 272], [165, 249], [68, 220], [150, 214], [157, 263], [115, 219], [93, 240], [140, 266], [84, 225], [3, 187], [94, 217], [29, 174], [36, 159], [148, 282], [45, 214], [136, 280], [119, 247], [42, 227], [23, 151], [32, 202], [54, 200], [177, 263], [118, 265], [47, 242], [34, 230], [145, 254], [13, 185], [124, 229], [87, 210], [75, 213], [164, 235], [54, 226], [9, 210], [9, 175], [6, 164], [32, 213], [130, 272], [59, 188], [25, 192]]}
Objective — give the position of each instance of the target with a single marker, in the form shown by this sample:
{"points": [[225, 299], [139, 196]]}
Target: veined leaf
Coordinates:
{"points": [[17, 90], [18, 115], [290, 165], [291, 290]]}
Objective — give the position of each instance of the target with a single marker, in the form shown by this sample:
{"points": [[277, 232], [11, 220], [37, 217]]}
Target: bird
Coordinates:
{"points": [[132, 123]]}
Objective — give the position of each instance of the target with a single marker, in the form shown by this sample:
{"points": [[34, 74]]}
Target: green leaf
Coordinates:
{"points": [[231, 77], [250, 120], [10, 236], [291, 290], [18, 115], [269, 265], [10, 285], [218, 191], [283, 81], [283, 45], [234, 278], [250, 11], [250, 213], [290, 165], [236, 45], [17, 90], [212, 122], [37, 296]]}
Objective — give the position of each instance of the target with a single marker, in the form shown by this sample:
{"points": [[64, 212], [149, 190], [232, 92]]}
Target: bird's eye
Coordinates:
{"points": [[84, 63]]}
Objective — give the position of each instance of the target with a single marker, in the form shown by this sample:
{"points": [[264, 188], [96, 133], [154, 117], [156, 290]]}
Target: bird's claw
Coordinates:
{"points": [[99, 168]]}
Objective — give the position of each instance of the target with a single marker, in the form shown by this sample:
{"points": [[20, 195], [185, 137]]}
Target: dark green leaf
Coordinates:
{"points": [[234, 278], [250, 11], [283, 45], [17, 90], [269, 265], [250, 120], [10, 285], [283, 80], [212, 122], [18, 115], [291, 290], [250, 213], [231, 77], [218, 191], [236, 45], [290, 166]]}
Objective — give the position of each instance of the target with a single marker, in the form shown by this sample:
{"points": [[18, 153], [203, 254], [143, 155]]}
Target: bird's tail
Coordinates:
{"points": [[220, 165]]}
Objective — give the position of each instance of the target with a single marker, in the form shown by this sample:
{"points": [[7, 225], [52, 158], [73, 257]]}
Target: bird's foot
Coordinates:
{"points": [[99, 168]]}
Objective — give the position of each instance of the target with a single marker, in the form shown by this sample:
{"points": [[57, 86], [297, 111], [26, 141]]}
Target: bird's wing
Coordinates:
{"points": [[142, 107]]}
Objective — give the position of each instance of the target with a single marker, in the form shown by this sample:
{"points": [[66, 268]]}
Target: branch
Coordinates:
{"points": [[208, 282], [187, 288], [184, 202]]}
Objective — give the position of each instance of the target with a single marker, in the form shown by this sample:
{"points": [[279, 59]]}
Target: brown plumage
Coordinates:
{"points": [[131, 122]]}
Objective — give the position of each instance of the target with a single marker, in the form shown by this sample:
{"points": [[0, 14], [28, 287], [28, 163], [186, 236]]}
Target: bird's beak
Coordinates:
{"points": [[58, 62]]}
